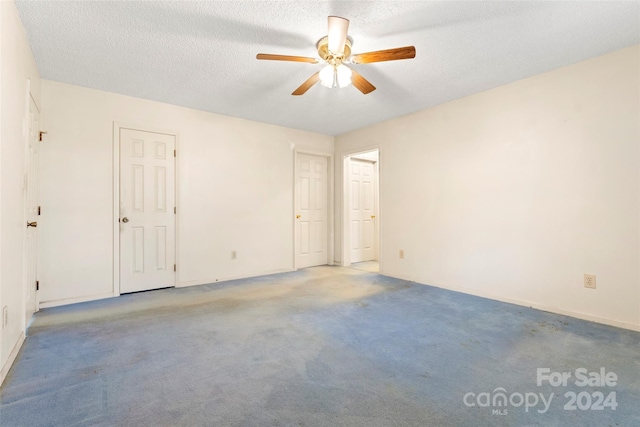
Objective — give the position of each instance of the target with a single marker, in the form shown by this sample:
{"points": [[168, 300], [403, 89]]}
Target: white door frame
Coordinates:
{"points": [[116, 196], [330, 209], [345, 226]]}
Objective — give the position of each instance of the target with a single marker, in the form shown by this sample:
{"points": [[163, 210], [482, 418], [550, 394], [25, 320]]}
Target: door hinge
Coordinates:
{"points": [[41, 133], [37, 285], [174, 210], [39, 210], [174, 153], [174, 267]]}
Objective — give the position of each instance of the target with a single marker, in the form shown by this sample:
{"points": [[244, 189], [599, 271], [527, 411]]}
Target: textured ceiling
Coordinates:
{"points": [[202, 54]]}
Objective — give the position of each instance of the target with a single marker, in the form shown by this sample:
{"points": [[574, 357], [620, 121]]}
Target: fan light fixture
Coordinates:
{"points": [[335, 76]]}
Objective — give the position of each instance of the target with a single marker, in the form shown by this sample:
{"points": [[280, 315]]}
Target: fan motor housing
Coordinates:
{"points": [[323, 50]]}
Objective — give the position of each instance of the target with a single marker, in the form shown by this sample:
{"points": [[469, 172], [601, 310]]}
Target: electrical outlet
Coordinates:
{"points": [[5, 316], [234, 254], [401, 254], [590, 281]]}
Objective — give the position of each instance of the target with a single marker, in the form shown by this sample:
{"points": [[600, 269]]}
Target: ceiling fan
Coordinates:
{"points": [[335, 50]]}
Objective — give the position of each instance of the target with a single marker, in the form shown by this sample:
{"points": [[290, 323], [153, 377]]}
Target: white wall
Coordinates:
{"points": [[516, 192], [235, 191], [17, 68]]}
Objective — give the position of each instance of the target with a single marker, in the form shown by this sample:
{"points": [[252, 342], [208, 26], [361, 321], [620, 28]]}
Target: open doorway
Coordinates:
{"points": [[361, 243]]}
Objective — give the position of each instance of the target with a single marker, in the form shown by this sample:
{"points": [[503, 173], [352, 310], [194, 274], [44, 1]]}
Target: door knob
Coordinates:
{"points": [[32, 224], [298, 216], [373, 216], [125, 219]]}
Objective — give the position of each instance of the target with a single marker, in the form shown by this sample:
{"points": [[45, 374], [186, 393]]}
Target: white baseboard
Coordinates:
{"points": [[66, 301], [542, 307], [12, 358], [229, 278]]}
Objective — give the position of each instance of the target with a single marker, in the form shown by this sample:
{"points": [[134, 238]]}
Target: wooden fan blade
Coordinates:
{"points": [[307, 84], [270, 57], [337, 34], [406, 52], [361, 83]]}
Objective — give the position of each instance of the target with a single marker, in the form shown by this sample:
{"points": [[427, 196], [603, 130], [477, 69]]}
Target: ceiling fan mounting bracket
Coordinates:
{"points": [[330, 57]]}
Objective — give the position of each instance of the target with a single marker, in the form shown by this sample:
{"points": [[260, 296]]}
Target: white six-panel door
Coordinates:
{"points": [[147, 219], [362, 210], [31, 211], [311, 210]]}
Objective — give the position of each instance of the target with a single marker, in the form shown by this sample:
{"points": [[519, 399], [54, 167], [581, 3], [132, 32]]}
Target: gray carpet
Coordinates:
{"points": [[326, 346]]}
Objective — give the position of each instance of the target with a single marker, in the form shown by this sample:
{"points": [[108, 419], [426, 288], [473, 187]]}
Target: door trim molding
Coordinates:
{"points": [[115, 160], [345, 226], [330, 204]]}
